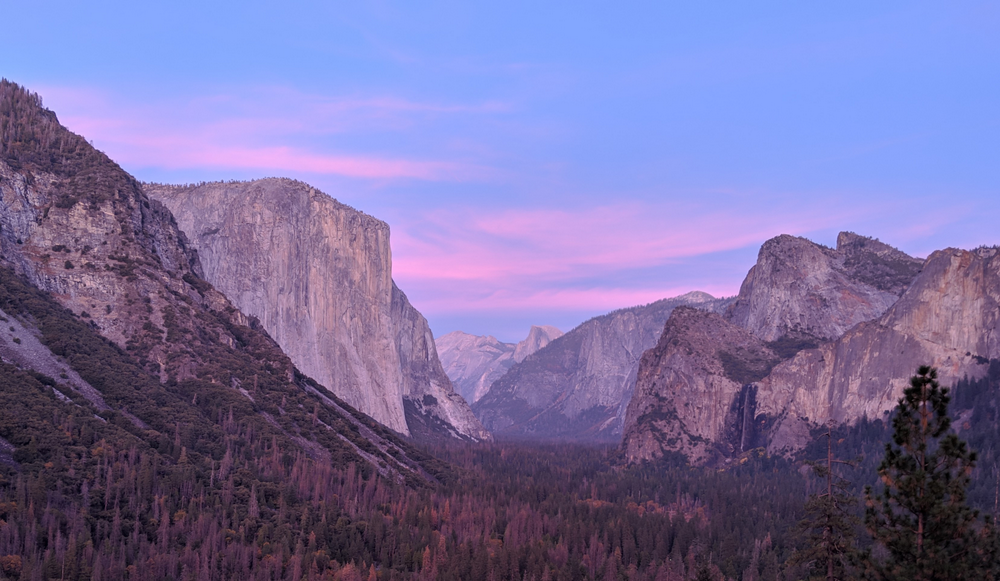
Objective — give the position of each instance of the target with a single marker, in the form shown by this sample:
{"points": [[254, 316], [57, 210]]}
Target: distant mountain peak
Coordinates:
{"points": [[538, 336], [695, 297], [578, 386], [474, 362]]}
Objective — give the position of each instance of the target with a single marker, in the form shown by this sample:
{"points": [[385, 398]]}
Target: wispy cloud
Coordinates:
{"points": [[550, 258], [274, 129], [595, 300]]}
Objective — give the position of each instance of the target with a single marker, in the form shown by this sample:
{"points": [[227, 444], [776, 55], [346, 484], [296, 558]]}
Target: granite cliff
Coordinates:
{"points": [[474, 362], [696, 385], [318, 276], [99, 286], [946, 316], [804, 290], [579, 385]]}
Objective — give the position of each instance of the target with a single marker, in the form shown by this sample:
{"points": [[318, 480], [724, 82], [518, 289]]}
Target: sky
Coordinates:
{"points": [[546, 162]]}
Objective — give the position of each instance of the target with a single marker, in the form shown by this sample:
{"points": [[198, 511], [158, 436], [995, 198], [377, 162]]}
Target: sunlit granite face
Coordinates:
{"points": [[318, 276]]}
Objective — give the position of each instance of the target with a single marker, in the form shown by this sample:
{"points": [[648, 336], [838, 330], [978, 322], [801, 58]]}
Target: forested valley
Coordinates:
{"points": [[92, 501], [194, 449]]}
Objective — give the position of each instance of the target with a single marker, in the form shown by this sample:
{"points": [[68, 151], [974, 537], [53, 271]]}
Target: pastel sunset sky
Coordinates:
{"points": [[545, 162]]}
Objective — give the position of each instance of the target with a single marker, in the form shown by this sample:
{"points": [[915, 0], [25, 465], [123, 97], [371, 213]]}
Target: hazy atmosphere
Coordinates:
{"points": [[545, 164], [523, 291]]}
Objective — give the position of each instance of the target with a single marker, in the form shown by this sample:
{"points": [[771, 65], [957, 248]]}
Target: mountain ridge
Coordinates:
{"points": [[474, 362], [107, 281], [945, 316], [578, 386]]}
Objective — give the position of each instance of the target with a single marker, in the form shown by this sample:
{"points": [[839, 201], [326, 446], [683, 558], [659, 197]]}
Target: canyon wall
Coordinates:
{"points": [[815, 335], [579, 385], [318, 276]]}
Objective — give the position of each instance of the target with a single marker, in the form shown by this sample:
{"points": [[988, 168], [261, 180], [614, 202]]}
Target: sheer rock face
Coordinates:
{"points": [[474, 362], [433, 409], [694, 386], [946, 317], [803, 289], [579, 385], [318, 275]]}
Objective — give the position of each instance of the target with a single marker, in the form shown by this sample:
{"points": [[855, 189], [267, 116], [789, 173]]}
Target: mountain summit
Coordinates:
{"points": [[474, 362]]}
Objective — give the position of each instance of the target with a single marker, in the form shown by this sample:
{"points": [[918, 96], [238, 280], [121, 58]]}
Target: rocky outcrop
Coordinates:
{"points": [[804, 290], [579, 386], [109, 253], [947, 317], [474, 362], [318, 275], [694, 391], [538, 337]]}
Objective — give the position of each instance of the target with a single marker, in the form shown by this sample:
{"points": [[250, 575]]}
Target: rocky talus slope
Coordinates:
{"points": [[318, 276], [946, 316], [113, 295], [579, 386], [474, 362]]}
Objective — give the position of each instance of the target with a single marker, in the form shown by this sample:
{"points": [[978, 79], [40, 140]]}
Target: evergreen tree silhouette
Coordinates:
{"points": [[920, 516]]}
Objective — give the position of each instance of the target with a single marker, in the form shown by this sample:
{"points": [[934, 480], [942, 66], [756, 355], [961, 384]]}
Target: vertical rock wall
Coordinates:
{"points": [[947, 316], [318, 275]]}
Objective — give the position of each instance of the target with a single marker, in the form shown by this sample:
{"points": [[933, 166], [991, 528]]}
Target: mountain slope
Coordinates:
{"points": [[947, 318], [694, 386], [318, 275], [474, 362], [579, 386], [142, 335]]}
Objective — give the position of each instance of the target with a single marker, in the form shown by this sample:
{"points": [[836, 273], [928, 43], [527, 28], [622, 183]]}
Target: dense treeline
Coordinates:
{"points": [[975, 409], [79, 507], [84, 498], [32, 140]]}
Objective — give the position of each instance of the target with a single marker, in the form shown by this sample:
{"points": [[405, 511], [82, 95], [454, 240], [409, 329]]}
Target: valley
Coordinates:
{"points": [[223, 380]]}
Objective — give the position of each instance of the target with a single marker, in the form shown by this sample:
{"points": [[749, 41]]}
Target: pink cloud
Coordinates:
{"points": [[175, 154], [468, 260], [566, 299], [465, 245], [262, 130]]}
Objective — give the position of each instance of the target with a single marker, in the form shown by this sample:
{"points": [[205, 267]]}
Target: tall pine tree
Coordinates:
{"points": [[829, 525], [920, 516]]}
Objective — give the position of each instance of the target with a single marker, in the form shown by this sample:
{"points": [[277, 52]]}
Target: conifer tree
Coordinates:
{"points": [[920, 516], [829, 525]]}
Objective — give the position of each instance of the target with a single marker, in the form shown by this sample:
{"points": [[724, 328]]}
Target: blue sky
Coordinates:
{"points": [[547, 162]]}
